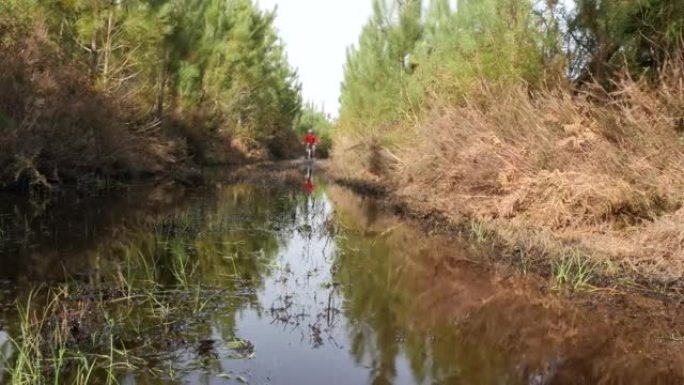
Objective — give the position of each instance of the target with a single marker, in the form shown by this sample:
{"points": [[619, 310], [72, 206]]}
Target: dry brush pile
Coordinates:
{"points": [[605, 172], [591, 172]]}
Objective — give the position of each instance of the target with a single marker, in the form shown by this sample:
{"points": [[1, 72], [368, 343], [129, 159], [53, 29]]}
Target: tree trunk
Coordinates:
{"points": [[108, 49], [162, 87], [93, 55]]}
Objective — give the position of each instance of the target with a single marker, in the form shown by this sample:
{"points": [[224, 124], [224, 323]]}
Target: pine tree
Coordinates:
{"points": [[605, 34], [402, 57], [218, 58], [376, 84]]}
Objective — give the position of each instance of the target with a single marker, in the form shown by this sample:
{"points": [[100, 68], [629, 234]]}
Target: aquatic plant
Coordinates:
{"points": [[574, 270], [44, 353]]}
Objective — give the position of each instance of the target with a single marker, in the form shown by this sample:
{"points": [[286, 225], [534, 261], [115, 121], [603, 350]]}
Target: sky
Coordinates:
{"points": [[316, 34]]}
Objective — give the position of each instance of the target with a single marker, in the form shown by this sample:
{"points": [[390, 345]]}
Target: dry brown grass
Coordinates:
{"points": [[55, 127], [601, 172]]}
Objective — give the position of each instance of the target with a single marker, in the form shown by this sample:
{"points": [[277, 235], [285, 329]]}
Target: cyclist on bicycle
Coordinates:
{"points": [[310, 140]]}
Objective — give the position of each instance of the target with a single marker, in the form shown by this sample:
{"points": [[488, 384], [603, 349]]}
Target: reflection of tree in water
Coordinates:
{"points": [[369, 280], [378, 302], [36, 236], [221, 244], [468, 325], [230, 239], [312, 218], [315, 319], [372, 263]]}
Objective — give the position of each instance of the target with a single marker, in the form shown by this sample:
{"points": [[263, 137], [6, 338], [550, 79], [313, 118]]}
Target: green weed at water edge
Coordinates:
{"points": [[573, 270]]}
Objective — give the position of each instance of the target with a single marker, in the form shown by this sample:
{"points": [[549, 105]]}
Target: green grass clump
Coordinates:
{"points": [[573, 271]]}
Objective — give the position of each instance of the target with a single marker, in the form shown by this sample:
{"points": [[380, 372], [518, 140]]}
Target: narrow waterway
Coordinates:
{"points": [[290, 283]]}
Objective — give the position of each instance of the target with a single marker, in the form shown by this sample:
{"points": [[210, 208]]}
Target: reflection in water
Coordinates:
{"points": [[309, 185], [5, 350], [291, 285], [456, 321]]}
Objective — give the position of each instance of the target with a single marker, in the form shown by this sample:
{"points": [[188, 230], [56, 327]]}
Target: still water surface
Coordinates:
{"points": [[263, 284]]}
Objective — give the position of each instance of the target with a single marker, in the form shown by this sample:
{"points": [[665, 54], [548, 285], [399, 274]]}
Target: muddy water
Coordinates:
{"points": [[277, 284]]}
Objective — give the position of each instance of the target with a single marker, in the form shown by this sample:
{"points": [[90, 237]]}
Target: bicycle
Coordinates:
{"points": [[310, 151]]}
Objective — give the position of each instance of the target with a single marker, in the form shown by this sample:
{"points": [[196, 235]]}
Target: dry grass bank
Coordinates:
{"points": [[55, 127], [563, 176]]}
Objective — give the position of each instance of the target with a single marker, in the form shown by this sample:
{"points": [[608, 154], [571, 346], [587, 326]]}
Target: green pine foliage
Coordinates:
{"points": [[376, 86], [606, 35], [413, 54], [215, 67], [411, 51]]}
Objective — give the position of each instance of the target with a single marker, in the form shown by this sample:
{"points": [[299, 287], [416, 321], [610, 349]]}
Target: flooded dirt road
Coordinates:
{"points": [[293, 283]]}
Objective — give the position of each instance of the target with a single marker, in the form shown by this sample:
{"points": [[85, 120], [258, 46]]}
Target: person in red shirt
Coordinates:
{"points": [[310, 140]]}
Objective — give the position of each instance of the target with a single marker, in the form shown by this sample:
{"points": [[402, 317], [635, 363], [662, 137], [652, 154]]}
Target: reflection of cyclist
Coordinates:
{"points": [[310, 140], [309, 186], [308, 182]]}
